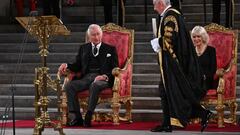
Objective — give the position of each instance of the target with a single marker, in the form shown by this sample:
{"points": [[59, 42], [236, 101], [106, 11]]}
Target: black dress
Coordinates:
{"points": [[208, 66]]}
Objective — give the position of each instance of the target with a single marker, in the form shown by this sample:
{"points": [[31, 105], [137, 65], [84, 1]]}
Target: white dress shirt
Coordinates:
{"points": [[98, 46]]}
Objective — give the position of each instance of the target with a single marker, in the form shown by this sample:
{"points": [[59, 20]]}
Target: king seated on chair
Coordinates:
{"points": [[102, 73], [95, 61]]}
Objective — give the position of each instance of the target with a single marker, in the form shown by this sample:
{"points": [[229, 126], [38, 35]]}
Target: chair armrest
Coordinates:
{"points": [[123, 79], [68, 76], [117, 71], [227, 79], [220, 72]]}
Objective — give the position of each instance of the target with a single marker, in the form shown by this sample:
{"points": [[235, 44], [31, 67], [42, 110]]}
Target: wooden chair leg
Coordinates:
{"points": [[64, 108], [129, 104], [116, 108], [220, 107], [233, 112], [220, 115]]}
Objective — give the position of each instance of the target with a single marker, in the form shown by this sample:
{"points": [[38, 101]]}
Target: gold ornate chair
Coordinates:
{"points": [[120, 93], [225, 42]]}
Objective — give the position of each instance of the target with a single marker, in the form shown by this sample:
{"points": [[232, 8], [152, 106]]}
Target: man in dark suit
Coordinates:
{"points": [[216, 7], [95, 61]]}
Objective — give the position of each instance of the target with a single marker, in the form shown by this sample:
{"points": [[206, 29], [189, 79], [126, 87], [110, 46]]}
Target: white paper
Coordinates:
{"points": [[155, 45], [154, 27]]}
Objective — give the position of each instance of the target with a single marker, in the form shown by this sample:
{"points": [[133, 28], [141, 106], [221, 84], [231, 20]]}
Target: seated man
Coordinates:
{"points": [[95, 61]]}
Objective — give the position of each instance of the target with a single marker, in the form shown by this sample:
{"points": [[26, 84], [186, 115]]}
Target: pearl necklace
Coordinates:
{"points": [[199, 53]]}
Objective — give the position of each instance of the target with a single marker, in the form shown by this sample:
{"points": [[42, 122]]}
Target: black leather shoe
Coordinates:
{"points": [[87, 124], [205, 120], [88, 119], [75, 122], [162, 129]]}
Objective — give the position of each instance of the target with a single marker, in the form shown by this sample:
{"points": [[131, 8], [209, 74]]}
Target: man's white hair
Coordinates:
{"points": [[93, 26], [166, 2]]}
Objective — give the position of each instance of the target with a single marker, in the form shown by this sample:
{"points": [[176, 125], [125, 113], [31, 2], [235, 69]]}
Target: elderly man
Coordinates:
{"points": [[95, 61], [182, 79]]}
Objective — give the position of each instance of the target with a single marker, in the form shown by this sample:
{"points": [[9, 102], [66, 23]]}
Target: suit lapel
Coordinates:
{"points": [[102, 54], [87, 53]]}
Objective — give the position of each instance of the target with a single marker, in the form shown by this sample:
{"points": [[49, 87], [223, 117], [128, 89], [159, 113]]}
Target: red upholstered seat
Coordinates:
{"points": [[225, 42], [123, 40]]}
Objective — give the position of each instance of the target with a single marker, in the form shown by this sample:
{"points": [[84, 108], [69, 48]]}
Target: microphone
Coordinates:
{"points": [[154, 27]]}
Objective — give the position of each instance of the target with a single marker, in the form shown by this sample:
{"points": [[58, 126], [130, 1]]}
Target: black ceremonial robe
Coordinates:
{"points": [[181, 75]]}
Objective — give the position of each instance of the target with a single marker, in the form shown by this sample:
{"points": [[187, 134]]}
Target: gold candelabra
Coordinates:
{"points": [[42, 28]]}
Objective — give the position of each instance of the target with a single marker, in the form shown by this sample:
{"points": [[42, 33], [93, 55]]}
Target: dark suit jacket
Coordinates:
{"points": [[108, 60]]}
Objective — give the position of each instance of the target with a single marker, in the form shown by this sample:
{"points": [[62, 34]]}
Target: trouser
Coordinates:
{"points": [[87, 82], [216, 6], [165, 108], [51, 7], [107, 4], [108, 11]]}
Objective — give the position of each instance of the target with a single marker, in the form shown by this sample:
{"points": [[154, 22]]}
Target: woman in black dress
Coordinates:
{"points": [[206, 55]]}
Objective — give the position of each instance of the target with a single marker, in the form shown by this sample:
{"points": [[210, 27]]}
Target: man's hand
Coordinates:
{"points": [[62, 69], [101, 78]]}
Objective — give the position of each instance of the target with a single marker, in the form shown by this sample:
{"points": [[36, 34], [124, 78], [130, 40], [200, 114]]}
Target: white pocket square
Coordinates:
{"points": [[109, 55]]}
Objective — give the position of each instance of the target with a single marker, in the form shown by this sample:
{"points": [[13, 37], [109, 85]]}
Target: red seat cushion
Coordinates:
{"points": [[211, 94]]}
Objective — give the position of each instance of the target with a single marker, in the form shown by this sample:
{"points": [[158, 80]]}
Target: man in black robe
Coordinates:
{"points": [[182, 79]]}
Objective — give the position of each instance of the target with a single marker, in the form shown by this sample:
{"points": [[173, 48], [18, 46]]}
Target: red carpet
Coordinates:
{"points": [[134, 126]]}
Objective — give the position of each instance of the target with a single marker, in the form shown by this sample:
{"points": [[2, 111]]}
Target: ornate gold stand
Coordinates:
{"points": [[42, 28]]}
